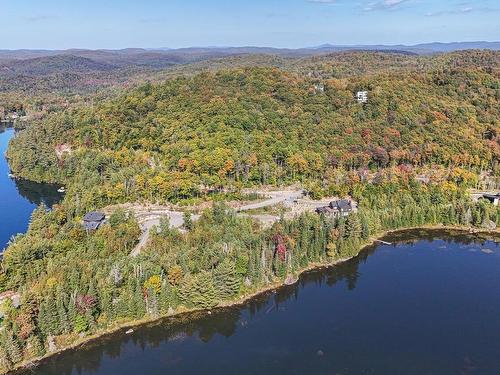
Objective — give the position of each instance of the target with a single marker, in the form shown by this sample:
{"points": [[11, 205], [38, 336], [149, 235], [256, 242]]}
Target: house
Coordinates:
{"points": [[362, 97], [493, 198], [326, 210], [319, 87], [342, 207], [93, 220]]}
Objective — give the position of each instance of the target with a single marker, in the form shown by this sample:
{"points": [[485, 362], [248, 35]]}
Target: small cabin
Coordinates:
{"points": [[93, 220], [362, 97]]}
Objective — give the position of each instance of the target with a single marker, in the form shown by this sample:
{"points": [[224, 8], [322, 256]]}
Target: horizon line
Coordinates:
{"points": [[324, 45]]}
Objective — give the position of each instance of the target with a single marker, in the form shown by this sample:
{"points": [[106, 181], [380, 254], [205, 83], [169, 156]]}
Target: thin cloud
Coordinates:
{"points": [[385, 4], [322, 1]]}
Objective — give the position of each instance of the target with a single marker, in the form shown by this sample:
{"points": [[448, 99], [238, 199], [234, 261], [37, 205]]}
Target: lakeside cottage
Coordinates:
{"points": [[93, 220], [342, 207]]}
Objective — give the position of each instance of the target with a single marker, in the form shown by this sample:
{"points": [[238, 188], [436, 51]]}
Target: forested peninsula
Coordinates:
{"points": [[197, 139]]}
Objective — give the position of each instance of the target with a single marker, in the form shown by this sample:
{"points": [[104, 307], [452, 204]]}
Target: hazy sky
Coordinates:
{"points": [[281, 23]]}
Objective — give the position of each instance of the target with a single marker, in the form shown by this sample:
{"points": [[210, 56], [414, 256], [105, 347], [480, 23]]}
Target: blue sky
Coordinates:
{"points": [[279, 23]]}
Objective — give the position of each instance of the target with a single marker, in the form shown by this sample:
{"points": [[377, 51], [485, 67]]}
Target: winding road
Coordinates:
{"points": [[149, 216]]}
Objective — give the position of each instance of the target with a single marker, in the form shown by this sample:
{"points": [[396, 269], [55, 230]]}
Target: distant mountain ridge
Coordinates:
{"points": [[183, 55], [421, 49], [48, 65]]}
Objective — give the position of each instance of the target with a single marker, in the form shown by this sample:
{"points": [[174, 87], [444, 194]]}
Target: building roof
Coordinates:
{"points": [[492, 196], [341, 205], [91, 225], [94, 216]]}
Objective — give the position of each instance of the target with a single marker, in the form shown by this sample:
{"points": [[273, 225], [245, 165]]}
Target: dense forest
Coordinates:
{"points": [[74, 283], [249, 126], [408, 156]]}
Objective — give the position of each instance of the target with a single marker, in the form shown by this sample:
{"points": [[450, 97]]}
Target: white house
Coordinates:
{"points": [[362, 96]]}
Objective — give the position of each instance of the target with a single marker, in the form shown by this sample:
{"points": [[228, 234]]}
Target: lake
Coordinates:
{"points": [[428, 304], [18, 198]]}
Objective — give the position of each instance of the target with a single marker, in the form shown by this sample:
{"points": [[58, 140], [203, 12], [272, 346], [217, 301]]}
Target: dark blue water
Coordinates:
{"points": [[18, 198], [428, 305]]}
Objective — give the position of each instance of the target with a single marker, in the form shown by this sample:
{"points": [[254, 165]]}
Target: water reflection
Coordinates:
{"points": [[18, 198], [202, 326], [39, 193], [261, 329]]}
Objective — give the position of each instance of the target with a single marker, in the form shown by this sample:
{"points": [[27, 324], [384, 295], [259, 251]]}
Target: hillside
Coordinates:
{"points": [[269, 126], [203, 131], [42, 66]]}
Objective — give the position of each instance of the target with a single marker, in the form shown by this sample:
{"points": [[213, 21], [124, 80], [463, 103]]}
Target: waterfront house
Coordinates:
{"points": [[93, 220], [342, 207]]}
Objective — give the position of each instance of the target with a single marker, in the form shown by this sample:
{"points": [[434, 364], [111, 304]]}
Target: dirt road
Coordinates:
{"points": [[149, 216]]}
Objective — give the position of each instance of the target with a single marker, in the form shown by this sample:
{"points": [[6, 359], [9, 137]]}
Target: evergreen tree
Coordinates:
{"points": [[48, 317], [62, 313], [203, 293], [225, 279], [34, 347], [188, 221], [353, 226], [5, 362], [11, 345]]}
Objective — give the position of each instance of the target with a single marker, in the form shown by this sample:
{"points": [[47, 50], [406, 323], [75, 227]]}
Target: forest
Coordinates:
{"points": [[267, 126], [428, 133]]}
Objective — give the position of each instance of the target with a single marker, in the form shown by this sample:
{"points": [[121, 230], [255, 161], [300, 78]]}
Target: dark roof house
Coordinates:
{"points": [[324, 210], [93, 220], [343, 205]]}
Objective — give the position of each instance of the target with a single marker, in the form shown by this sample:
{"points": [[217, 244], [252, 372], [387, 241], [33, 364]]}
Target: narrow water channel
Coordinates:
{"points": [[18, 198], [429, 304]]}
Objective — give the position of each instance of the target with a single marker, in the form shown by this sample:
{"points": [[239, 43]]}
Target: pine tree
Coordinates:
{"points": [[166, 299], [185, 289], [34, 347], [62, 313], [204, 294], [71, 311], [12, 347], [80, 324], [138, 307], [225, 280], [48, 316], [5, 362], [188, 221], [352, 226]]}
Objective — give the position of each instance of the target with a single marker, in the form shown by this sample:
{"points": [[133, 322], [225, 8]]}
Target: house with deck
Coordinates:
{"points": [[338, 208]]}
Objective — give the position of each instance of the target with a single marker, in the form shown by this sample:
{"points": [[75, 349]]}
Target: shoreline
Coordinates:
{"points": [[372, 241]]}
